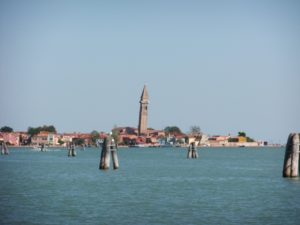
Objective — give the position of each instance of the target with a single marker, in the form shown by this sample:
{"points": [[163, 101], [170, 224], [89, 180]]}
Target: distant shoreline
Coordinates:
{"points": [[133, 147]]}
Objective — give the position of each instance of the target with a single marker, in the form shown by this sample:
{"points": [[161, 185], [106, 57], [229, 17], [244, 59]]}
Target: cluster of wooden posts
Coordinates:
{"points": [[109, 147], [291, 159], [4, 149], [71, 150], [192, 151]]}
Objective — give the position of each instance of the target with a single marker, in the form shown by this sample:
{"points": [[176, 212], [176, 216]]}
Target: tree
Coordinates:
{"points": [[233, 140], [250, 139], [94, 136], [60, 142], [172, 130], [242, 134], [35, 130], [195, 130], [78, 141], [50, 128], [6, 129], [115, 134]]}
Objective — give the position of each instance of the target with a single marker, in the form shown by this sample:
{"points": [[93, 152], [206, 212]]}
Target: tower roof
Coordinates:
{"points": [[145, 96]]}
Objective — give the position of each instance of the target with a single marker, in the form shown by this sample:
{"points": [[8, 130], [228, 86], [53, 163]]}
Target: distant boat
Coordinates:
{"points": [[138, 146], [39, 149]]}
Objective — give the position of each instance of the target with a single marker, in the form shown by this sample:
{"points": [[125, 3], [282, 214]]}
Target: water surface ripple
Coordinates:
{"points": [[152, 186]]}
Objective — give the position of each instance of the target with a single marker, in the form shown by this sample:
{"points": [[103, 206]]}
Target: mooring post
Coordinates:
{"points": [[69, 149], [291, 158], [192, 151], [73, 150], [108, 147], [42, 147], [4, 149], [194, 154], [105, 154], [102, 157], [106, 159], [189, 154], [114, 155], [6, 152], [115, 159]]}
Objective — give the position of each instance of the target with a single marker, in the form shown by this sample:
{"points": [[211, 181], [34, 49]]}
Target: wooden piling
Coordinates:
{"points": [[115, 159], [189, 155], [291, 159], [106, 160], [192, 151], [101, 165], [4, 149], [194, 154], [108, 147], [103, 154], [71, 150]]}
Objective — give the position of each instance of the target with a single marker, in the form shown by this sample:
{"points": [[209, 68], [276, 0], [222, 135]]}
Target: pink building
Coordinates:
{"points": [[40, 139], [10, 138]]}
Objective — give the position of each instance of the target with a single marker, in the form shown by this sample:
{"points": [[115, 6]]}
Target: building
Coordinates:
{"points": [[40, 139], [53, 139], [143, 115], [218, 141], [10, 138]]}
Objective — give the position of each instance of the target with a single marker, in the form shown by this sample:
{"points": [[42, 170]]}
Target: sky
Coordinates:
{"points": [[226, 66]]}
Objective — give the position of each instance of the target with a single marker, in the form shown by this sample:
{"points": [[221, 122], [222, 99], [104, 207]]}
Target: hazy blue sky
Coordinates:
{"points": [[226, 66]]}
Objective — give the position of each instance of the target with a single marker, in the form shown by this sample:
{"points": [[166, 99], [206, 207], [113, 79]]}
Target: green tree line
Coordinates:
{"points": [[35, 130]]}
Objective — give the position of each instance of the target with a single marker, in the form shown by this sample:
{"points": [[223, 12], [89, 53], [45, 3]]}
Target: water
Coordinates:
{"points": [[152, 186]]}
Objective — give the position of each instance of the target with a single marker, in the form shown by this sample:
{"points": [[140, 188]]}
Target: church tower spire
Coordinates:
{"points": [[143, 116]]}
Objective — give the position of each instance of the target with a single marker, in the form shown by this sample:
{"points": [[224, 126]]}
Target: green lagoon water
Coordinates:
{"points": [[152, 186]]}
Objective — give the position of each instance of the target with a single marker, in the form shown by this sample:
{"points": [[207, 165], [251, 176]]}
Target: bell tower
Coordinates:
{"points": [[143, 116]]}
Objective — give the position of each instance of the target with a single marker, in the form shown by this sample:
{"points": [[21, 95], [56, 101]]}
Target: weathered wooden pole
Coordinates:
{"points": [[114, 155], [4, 149], [291, 158], [106, 159], [102, 157], [189, 155], [194, 154], [108, 147], [105, 154], [42, 147], [71, 150], [192, 151], [115, 159]]}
